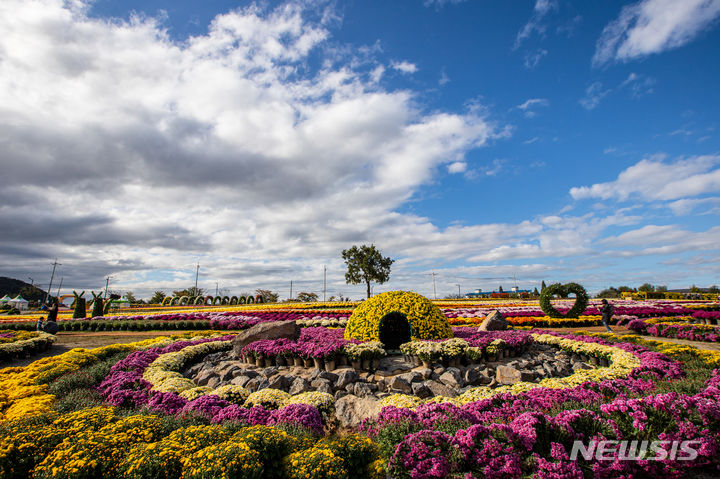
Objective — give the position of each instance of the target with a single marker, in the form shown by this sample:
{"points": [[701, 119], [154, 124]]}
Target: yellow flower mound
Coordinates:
{"points": [[426, 319]]}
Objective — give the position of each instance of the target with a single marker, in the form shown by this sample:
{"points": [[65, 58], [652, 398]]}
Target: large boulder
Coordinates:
{"points": [[351, 410], [494, 322], [269, 330]]}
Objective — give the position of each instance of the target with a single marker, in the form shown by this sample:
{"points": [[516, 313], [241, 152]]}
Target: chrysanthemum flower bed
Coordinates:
{"points": [[18, 344]]}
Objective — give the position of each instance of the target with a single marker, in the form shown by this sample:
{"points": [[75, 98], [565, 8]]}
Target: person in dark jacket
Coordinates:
{"points": [[52, 314], [607, 311]]}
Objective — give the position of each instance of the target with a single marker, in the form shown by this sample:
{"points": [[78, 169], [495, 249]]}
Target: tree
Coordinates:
{"points": [[500, 290], [695, 289], [661, 289], [366, 264], [191, 292], [647, 287], [157, 297], [542, 286], [610, 292], [307, 297], [131, 297], [713, 289], [625, 289], [535, 292], [267, 295]]}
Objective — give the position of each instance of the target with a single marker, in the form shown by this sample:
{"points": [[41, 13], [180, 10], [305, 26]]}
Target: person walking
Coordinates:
{"points": [[607, 311]]}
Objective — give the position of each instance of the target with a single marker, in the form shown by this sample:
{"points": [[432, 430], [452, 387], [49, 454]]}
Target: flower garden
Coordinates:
{"points": [[131, 410]]}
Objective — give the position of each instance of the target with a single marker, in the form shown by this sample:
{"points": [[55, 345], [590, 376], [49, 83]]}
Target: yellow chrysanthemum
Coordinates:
{"points": [[426, 319]]}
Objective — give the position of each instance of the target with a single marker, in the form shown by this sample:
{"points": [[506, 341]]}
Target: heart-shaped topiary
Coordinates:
{"points": [[581, 300]]}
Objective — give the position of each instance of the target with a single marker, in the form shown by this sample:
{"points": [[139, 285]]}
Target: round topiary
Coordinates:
{"points": [[426, 320], [581, 299]]}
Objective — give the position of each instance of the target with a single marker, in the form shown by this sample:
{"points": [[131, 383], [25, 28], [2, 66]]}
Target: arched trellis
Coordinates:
{"points": [[217, 300], [208, 300], [167, 300], [259, 299], [184, 300], [198, 300], [233, 300], [225, 300]]}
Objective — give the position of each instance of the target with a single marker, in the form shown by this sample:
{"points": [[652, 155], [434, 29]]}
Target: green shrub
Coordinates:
{"points": [[64, 385], [79, 399]]}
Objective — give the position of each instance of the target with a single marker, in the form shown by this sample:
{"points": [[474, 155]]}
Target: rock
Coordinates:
{"points": [[193, 370], [391, 365], [240, 381], [399, 384], [299, 385], [268, 330], [213, 382], [472, 376], [345, 377], [269, 372], [451, 378], [256, 384], [204, 376], [332, 377], [317, 383], [364, 389], [439, 389], [507, 375], [494, 322], [411, 377], [341, 394], [325, 388], [439, 370], [351, 410], [278, 382], [425, 372], [421, 390], [580, 365]]}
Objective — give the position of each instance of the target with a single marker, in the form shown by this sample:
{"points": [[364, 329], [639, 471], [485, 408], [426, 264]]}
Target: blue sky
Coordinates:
{"points": [[546, 140]]}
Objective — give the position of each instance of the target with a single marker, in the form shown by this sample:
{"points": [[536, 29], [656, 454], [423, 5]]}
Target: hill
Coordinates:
{"points": [[13, 287]]}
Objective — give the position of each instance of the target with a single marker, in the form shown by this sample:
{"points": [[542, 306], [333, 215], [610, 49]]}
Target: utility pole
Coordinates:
{"points": [[32, 281], [458, 285], [55, 265], [197, 271], [107, 282], [290, 289], [58, 293], [434, 291], [216, 288], [324, 282]]}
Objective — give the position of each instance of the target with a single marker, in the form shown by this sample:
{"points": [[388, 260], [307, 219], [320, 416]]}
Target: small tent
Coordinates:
{"points": [[19, 302], [4, 300]]}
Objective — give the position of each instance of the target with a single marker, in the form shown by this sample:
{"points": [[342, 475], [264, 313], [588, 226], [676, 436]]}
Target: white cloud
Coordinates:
{"points": [[532, 59], [653, 26], [127, 153], [528, 106], [535, 24], [594, 94], [653, 179], [457, 167], [404, 67]]}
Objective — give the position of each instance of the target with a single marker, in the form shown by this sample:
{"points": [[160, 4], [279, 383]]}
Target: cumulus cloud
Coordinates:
{"points": [[653, 179], [404, 67], [131, 153], [653, 26]]}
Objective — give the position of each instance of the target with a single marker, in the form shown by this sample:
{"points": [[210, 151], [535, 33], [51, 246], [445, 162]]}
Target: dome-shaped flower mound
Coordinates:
{"points": [[426, 319]]}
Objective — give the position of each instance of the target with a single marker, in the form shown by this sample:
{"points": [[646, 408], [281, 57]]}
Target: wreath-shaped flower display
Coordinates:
{"points": [[581, 300], [426, 319]]}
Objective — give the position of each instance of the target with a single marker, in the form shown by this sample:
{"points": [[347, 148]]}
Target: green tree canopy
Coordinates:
{"points": [[157, 297], [267, 295], [647, 287], [307, 297], [366, 264]]}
